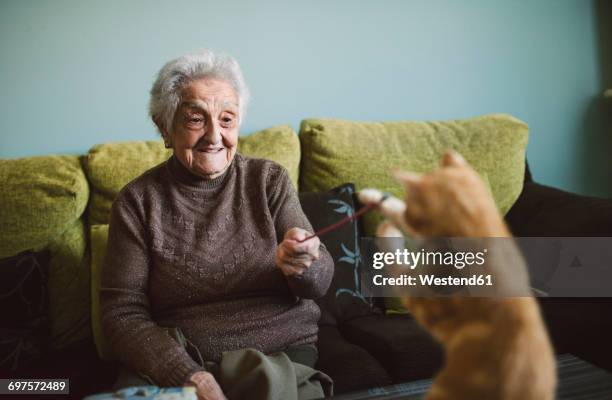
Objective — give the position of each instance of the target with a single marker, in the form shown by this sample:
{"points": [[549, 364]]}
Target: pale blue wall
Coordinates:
{"points": [[76, 73]]}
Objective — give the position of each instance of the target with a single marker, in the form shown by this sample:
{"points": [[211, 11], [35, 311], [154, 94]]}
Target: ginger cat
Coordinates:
{"points": [[496, 347]]}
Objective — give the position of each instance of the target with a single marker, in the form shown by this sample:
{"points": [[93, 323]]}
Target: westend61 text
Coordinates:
{"points": [[432, 280]]}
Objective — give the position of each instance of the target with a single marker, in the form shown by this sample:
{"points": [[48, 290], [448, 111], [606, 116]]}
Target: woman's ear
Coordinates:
{"points": [[167, 140], [164, 132]]}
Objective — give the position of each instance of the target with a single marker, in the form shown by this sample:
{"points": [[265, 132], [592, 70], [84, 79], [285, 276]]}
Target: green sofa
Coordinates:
{"points": [[61, 203]]}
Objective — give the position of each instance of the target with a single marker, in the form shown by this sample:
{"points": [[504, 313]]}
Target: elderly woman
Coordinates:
{"points": [[208, 243]]}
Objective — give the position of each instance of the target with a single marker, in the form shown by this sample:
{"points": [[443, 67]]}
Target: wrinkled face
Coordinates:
{"points": [[205, 127]]}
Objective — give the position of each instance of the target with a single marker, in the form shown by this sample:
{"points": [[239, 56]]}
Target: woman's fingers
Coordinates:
{"points": [[299, 256], [296, 234], [293, 257], [207, 388], [295, 247], [290, 270]]}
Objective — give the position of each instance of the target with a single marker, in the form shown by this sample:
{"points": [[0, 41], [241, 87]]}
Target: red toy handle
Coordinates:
{"points": [[344, 220]]}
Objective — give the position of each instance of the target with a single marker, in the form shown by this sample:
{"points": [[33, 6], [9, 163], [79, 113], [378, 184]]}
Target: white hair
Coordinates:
{"points": [[172, 78]]}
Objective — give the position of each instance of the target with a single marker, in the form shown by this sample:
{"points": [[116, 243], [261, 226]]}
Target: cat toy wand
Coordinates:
{"points": [[345, 220]]}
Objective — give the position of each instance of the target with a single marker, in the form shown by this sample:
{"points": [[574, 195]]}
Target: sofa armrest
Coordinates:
{"points": [[548, 212], [351, 367], [576, 325], [77, 362], [580, 326]]}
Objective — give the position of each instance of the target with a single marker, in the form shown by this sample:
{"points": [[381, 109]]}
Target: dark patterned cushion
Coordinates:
{"points": [[401, 346], [24, 328], [343, 300], [350, 366]]}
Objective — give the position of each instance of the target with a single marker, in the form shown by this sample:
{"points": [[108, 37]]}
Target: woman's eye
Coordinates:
{"points": [[195, 120], [227, 120]]}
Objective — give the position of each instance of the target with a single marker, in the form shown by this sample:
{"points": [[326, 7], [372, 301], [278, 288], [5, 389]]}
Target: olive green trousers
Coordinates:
{"points": [[250, 374]]}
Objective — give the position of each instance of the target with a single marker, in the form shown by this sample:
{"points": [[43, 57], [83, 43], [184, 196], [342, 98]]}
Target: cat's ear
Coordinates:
{"points": [[409, 179], [453, 159]]}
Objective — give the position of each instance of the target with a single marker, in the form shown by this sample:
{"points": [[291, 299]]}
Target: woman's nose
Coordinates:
{"points": [[213, 134]]}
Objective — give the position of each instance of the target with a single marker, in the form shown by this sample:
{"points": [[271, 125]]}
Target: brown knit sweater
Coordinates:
{"points": [[199, 255]]}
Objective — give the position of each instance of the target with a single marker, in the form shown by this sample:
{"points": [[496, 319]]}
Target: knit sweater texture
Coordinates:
{"points": [[199, 255]]}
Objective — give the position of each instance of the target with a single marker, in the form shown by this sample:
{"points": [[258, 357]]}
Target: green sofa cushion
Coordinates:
{"points": [[41, 198], [99, 240], [69, 280], [110, 166], [336, 151], [279, 144]]}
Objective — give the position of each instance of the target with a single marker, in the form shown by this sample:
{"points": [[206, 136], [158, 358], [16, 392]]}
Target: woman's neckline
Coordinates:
{"points": [[186, 178]]}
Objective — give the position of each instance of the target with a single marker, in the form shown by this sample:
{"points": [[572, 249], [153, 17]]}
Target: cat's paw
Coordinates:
{"points": [[390, 207]]}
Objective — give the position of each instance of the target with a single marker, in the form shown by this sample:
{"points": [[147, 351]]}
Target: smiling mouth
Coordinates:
{"points": [[211, 151]]}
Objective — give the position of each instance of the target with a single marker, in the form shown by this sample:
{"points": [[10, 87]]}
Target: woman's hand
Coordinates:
{"points": [[450, 201], [292, 257], [207, 387]]}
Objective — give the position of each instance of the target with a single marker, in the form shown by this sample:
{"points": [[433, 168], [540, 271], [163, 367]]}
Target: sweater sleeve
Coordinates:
{"points": [[287, 213], [135, 339]]}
